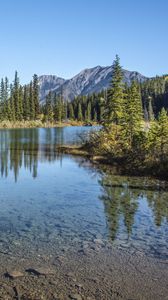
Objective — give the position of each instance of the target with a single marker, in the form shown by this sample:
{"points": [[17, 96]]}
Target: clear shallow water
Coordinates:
{"points": [[50, 201]]}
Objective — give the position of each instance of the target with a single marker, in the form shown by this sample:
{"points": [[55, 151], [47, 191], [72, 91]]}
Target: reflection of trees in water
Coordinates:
{"points": [[22, 148], [121, 202], [158, 202]]}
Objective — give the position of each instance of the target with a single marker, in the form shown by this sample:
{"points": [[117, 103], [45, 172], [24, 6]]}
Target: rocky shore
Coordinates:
{"points": [[94, 271]]}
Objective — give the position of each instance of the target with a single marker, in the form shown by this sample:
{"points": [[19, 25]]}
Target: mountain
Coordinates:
{"points": [[88, 81], [49, 83]]}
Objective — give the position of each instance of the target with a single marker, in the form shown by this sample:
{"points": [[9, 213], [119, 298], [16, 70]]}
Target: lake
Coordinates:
{"points": [[57, 210]]}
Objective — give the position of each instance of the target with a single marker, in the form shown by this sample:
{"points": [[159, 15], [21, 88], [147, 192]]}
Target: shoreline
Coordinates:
{"points": [[95, 270], [40, 124], [102, 161]]}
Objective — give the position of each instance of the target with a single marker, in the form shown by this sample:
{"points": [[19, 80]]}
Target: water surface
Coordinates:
{"points": [[52, 201]]}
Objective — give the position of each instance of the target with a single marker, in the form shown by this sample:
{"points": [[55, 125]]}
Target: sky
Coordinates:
{"points": [[63, 37]]}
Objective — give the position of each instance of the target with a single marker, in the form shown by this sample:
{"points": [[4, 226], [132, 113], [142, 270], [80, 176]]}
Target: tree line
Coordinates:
{"points": [[21, 102], [153, 94]]}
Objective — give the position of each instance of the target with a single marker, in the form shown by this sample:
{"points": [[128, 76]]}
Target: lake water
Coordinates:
{"points": [[53, 201]]}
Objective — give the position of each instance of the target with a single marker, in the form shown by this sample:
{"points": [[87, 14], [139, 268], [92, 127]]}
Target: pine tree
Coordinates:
{"points": [[12, 105], [31, 102], [26, 103], [158, 137], [64, 110], [71, 112], [95, 115], [49, 108], [115, 97], [16, 96], [36, 96], [79, 113], [133, 114], [57, 110], [5, 102], [150, 109], [21, 103], [88, 112], [2, 96]]}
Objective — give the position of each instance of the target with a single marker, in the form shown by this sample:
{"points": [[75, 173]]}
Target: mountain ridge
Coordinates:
{"points": [[88, 81]]}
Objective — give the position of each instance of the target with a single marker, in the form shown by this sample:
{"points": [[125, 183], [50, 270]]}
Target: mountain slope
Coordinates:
{"points": [[88, 81], [49, 83]]}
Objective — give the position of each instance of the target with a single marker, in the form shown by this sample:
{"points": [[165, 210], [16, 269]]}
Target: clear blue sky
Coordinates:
{"points": [[63, 37]]}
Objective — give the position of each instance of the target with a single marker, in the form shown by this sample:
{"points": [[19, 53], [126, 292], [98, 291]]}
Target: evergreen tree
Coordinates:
{"points": [[150, 109], [95, 115], [57, 109], [36, 96], [31, 102], [158, 137], [115, 97], [64, 110], [88, 111], [12, 105], [21, 103], [133, 114], [2, 96], [5, 102], [49, 108], [80, 116], [26, 103], [71, 112], [16, 97]]}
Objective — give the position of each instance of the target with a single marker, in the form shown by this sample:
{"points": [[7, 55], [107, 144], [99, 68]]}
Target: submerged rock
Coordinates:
{"points": [[41, 271], [75, 297], [98, 242], [14, 274]]}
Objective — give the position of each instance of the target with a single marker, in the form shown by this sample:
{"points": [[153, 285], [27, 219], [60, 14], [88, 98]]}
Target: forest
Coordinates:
{"points": [[21, 102]]}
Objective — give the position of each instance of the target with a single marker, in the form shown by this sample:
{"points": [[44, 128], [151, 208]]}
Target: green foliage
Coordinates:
{"points": [[17, 102], [36, 96], [48, 108], [158, 138], [132, 115], [138, 146], [71, 112], [115, 97], [80, 116]]}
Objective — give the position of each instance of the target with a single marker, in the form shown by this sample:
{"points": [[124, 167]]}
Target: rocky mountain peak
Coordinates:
{"points": [[88, 81]]}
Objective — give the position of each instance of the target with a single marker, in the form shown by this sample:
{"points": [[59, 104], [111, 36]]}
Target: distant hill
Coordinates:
{"points": [[86, 82]]}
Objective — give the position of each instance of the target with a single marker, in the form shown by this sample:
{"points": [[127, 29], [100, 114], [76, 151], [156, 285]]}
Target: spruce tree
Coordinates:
{"points": [[36, 96], [158, 137], [133, 114], [12, 105], [49, 108], [26, 103], [6, 96], [16, 97], [20, 103], [88, 112], [31, 102], [115, 96], [71, 112], [80, 116], [2, 96], [150, 109], [57, 110]]}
